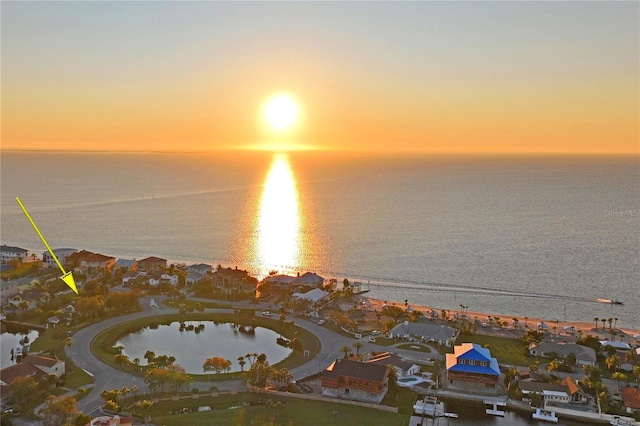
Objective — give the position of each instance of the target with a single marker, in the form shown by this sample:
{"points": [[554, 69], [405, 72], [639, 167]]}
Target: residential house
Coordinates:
{"points": [[471, 367], [8, 290], [291, 283], [575, 391], [157, 278], [360, 381], [202, 268], [630, 399], [402, 367], [130, 277], [425, 330], [622, 346], [627, 360], [11, 253], [314, 296], [584, 355], [234, 280], [194, 277], [62, 254], [34, 366], [98, 261], [127, 264], [111, 421], [150, 264], [46, 364]]}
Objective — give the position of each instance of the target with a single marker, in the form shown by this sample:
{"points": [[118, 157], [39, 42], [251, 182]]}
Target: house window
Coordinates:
{"points": [[472, 363], [346, 391]]}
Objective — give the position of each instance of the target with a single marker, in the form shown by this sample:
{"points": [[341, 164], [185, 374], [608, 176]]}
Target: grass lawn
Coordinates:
{"points": [[293, 411], [102, 345], [505, 350], [415, 347], [77, 378]]}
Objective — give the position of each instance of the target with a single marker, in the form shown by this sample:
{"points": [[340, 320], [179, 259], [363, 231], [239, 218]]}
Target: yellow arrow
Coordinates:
{"points": [[67, 277]]}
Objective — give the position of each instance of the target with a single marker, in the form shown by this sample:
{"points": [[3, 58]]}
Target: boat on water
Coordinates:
{"points": [[495, 407], [428, 406], [617, 302], [545, 415]]}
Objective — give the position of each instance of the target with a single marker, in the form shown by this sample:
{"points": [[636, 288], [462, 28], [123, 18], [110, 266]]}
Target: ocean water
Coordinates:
{"points": [[538, 236]]}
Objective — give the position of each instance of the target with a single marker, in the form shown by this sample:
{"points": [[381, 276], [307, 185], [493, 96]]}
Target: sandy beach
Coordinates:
{"points": [[530, 322]]}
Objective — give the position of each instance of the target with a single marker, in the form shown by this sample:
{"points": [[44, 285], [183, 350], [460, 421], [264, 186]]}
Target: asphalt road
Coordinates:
{"points": [[107, 377]]}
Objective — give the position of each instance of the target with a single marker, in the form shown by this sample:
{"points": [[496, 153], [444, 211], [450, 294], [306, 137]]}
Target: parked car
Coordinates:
{"points": [[266, 313]]}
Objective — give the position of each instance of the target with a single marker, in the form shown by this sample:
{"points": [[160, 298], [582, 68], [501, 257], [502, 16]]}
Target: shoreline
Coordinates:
{"points": [[525, 322]]}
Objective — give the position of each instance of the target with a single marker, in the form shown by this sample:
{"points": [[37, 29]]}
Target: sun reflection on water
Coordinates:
{"points": [[278, 245]]}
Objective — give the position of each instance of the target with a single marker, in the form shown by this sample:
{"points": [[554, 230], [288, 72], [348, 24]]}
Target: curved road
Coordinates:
{"points": [[107, 377]]}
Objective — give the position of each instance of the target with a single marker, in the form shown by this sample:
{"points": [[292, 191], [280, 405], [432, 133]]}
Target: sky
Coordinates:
{"points": [[441, 77]]}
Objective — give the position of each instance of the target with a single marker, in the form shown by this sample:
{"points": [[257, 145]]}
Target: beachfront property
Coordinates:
{"points": [[402, 367], [150, 264], [291, 283], [630, 399], [62, 254], [425, 330], [127, 264], [131, 277], [11, 253], [584, 355], [471, 367], [354, 380], [315, 295], [236, 280], [98, 261]]}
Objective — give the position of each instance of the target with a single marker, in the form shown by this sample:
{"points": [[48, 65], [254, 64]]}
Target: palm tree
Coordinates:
{"points": [[526, 319], [242, 362], [358, 346], [610, 321], [603, 321], [615, 324], [553, 366], [515, 322], [596, 319], [346, 350]]}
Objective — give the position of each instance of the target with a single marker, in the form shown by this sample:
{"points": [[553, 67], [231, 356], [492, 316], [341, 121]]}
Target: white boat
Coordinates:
{"points": [[545, 415], [495, 407], [430, 407]]}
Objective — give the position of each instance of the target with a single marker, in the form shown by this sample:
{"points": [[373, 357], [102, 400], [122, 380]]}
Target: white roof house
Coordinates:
{"points": [[314, 295]]}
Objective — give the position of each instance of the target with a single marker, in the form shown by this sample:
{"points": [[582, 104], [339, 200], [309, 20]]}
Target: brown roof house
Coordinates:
{"points": [[354, 380], [150, 264], [631, 399]]}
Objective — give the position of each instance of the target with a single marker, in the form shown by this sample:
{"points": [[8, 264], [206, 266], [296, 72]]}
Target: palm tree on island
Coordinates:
{"points": [[596, 319]]}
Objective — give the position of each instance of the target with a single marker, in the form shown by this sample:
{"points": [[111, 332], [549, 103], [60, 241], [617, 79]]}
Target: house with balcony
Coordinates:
{"points": [[62, 254], [11, 253], [354, 380], [471, 367], [150, 264]]}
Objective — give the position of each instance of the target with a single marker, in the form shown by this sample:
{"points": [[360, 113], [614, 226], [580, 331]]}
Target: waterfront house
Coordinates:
{"points": [[291, 283], [234, 281], [150, 264], [11, 253], [314, 296], [46, 364], [201, 268], [354, 380], [471, 367], [584, 355], [98, 261], [402, 367], [630, 399], [62, 254], [425, 330], [126, 264]]}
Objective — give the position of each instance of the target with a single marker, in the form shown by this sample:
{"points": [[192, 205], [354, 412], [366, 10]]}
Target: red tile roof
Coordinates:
{"points": [[96, 257], [40, 360], [631, 397]]}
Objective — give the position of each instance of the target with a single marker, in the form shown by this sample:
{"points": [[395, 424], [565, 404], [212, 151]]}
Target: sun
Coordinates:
{"points": [[281, 112]]}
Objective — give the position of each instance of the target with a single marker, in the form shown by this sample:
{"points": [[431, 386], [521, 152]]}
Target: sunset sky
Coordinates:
{"points": [[411, 76]]}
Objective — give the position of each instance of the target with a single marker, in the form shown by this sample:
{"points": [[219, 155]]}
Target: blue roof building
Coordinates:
{"points": [[471, 367]]}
